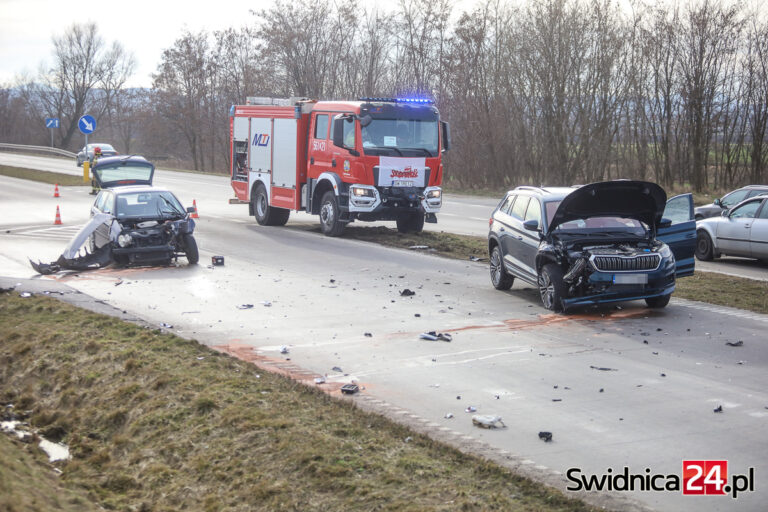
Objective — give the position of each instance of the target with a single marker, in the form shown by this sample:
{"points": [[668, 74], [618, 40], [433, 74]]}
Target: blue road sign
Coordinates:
{"points": [[86, 124], [51, 122]]}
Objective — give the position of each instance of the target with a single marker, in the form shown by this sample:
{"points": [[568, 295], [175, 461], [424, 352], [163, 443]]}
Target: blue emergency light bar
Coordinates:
{"points": [[422, 101]]}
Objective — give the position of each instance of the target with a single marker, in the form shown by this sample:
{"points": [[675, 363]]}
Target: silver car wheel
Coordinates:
{"points": [[496, 267], [547, 291]]}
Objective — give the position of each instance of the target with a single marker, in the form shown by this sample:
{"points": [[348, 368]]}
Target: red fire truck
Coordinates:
{"points": [[368, 160]]}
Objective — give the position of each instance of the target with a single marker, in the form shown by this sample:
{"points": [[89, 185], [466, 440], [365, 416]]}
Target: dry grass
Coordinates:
{"points": [[156, 422], [725, 290], [52, 178]]}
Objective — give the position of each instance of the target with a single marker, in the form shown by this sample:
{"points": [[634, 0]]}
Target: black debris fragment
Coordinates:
{"points": [[458, 397], [545, 436], [557, 399], [417, 315], [350, 389], [332, 280], [645, 342], [217, 261], [663, 374], [719, 408], [337, 369], [407, 293], [655, 353], [659, 329], [7, 290], [604, 368], [735, 343], [436, 336], [368, 335], [602, 390], [245, 306]]}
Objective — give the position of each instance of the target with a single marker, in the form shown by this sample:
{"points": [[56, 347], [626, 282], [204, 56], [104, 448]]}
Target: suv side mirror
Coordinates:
{"points": [[665, 223], [531, 225]]}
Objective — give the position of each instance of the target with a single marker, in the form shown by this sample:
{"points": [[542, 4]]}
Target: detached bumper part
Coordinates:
{"points": [[90, 260]]}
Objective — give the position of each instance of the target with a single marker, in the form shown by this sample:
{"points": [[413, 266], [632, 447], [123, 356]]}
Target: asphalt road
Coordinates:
{"points": [[467, 215], [609, 398]]}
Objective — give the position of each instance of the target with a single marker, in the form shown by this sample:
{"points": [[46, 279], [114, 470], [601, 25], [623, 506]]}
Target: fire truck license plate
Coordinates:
{"points": [[402, 183]]}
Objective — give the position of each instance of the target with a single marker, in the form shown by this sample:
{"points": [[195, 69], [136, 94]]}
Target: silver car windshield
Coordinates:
{"points": [[149, 204]]}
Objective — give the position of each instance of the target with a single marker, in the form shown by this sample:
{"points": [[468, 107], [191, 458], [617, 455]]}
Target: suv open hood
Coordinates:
{"points": [[639, 200], [119, 171]]}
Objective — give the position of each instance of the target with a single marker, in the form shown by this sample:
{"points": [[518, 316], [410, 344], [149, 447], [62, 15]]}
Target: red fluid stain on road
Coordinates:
{"points": [[514, 324], [279, 366]]}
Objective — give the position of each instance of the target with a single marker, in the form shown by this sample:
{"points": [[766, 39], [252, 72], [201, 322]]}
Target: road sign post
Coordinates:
{"points": [[51, 123], [86, 124]]}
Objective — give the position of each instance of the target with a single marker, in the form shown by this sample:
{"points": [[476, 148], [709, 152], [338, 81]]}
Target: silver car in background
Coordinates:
{"points": [[87, 152], [740, 231]]}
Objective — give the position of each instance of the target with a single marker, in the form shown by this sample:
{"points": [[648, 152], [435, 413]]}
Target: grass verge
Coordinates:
{"points": [[53, 178], [711, 287], [156, 422]]}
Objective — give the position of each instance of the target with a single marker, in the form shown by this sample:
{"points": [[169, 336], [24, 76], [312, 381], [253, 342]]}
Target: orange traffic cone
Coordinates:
{"points": [[56, 191], [194, 214], [58, 217]]}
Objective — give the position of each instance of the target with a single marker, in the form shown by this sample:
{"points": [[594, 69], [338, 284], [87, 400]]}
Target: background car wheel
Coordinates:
{"points": [[411, 224], [499, 277], [190, 249], [330, 224], [658, 302], [267, 215], [552, 287], [704, 249]]}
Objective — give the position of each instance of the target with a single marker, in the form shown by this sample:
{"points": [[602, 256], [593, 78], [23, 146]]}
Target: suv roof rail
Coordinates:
{"points": [[532, 188]]}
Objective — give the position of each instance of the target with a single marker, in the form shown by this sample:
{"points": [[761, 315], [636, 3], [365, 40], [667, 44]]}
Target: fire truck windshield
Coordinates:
{"points": [[401, 137]]}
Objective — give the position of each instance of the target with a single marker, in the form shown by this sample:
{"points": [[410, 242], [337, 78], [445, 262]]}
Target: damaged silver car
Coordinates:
{"points": [[132, 222]]}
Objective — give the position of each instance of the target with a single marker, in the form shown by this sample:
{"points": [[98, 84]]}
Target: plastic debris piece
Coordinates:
{"points": [[368, 335], [337, 369], [604, 369], [283, 349], [557, 399], [407, 293], [719, 408], [545, 436], [417, 315], [470, 408], [475, 258], [458, 397], [448, 415], [266, 303], [487, 421], [25, 295], [245, 306], [735, 343], [167, 326], [217, 261], [320, 380], [663, 374], [418, 247], [350, 389], [436, 336], [602, 390], [408, 439]]}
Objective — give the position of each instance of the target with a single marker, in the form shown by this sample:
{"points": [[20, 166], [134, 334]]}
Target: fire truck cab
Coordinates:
{"points": [[370, 160]]}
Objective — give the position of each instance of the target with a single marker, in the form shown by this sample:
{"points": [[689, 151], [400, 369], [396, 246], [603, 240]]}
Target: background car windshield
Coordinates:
{"points": [[122, 171], [153, 203], [409, 136]]}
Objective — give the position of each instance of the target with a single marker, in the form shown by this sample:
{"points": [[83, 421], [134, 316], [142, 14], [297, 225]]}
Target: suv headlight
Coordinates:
{"points": [[124, 240]]}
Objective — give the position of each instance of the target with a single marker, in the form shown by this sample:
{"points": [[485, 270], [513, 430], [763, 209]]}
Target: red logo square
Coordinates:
{"points": [[707, 477]]}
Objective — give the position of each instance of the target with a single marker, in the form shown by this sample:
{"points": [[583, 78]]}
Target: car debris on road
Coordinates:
{"points": [[350, 389], [487, 421], [407, 293], [735, 343], [545, 436], [435, 336]]}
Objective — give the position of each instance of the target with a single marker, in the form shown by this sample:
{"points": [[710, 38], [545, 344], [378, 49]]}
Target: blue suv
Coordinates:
{"points": [[604, 242]]}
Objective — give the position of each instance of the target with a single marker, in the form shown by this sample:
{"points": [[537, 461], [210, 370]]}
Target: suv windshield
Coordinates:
{"points": [[148, 204]]}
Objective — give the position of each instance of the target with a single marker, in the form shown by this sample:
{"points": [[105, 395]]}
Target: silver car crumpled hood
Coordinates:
{"points": [[76, 255]]}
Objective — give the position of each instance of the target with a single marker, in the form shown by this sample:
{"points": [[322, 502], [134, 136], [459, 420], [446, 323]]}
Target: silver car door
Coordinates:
{"points": [[733, 232], [758, 233]]}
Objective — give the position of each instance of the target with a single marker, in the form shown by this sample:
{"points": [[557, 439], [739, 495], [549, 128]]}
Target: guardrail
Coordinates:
{"points": [[37, 149]]}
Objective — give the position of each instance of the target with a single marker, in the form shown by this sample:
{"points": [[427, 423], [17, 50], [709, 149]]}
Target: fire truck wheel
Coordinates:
{"points": [[411, 224], [267, 215], [329, 215]]}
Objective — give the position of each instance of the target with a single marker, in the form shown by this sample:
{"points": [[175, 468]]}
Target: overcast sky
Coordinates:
{"points": [[143, 27]]}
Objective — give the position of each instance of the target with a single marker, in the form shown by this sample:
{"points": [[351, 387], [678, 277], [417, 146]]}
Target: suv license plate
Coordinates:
{"points": [[630, 278], [402, 183]]}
